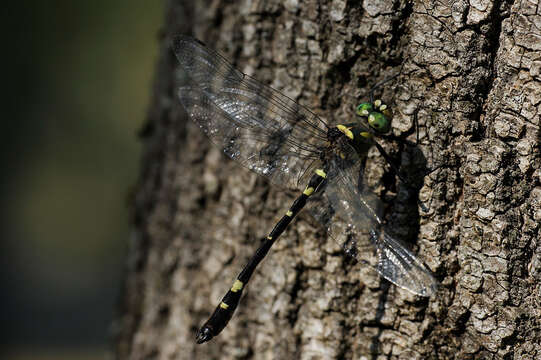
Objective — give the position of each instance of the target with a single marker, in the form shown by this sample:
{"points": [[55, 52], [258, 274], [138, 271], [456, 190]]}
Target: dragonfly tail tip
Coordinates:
{"points": [[203, 335]]}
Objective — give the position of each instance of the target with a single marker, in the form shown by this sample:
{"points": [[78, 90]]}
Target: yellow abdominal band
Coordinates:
{"points": [[321, 173], [237, 285]]}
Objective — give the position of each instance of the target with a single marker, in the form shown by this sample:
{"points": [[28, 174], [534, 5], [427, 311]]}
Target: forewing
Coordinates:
{"points": [[352, 218], [255, 125]]}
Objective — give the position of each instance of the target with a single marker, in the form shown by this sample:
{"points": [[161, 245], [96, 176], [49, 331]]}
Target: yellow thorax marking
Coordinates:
{"points": [[366, 134], [224, 305], [321, 173], [237, 285], [289, 213], [308, 191], [346, 131], [269, 237]]}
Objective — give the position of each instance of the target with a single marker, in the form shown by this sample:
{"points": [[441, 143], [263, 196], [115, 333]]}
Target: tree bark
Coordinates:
{"points": [[471, 72]]}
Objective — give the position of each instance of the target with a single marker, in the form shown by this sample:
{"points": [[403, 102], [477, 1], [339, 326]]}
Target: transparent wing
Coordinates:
{"points": [[274, 136], [255, 125], [352, 218]]}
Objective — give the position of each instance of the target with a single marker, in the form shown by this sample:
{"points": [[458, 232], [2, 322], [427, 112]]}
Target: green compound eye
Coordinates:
{"points": [[364, 109], [379, 122]]}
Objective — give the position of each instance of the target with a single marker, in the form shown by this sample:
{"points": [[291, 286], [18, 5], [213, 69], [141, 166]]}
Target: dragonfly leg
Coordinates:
{"points": [[396, 170], [224, 311], [379, 84], [384, 81], [350, 248], [362, 167], [392, 164]]}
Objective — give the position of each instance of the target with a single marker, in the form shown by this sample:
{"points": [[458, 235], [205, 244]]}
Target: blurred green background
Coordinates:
{"points": [[77, 82]]}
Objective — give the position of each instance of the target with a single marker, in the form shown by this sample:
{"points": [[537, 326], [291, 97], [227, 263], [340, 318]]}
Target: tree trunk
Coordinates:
{"points": [[471, 72]]}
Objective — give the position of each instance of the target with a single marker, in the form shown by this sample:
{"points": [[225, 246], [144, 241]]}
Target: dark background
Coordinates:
{"points": [[76, 82]]}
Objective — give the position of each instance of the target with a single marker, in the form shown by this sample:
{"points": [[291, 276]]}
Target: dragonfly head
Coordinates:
{"points": [[378, 116]]}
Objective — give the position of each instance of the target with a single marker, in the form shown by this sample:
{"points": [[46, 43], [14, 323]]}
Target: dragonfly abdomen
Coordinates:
{"points": [[224, 311]]}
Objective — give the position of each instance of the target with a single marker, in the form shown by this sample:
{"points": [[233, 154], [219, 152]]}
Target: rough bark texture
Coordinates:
{"points": [[472, 70]]}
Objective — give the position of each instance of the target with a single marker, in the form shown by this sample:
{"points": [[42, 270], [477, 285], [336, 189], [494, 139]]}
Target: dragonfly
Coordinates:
{"points": [[274, 136]]}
